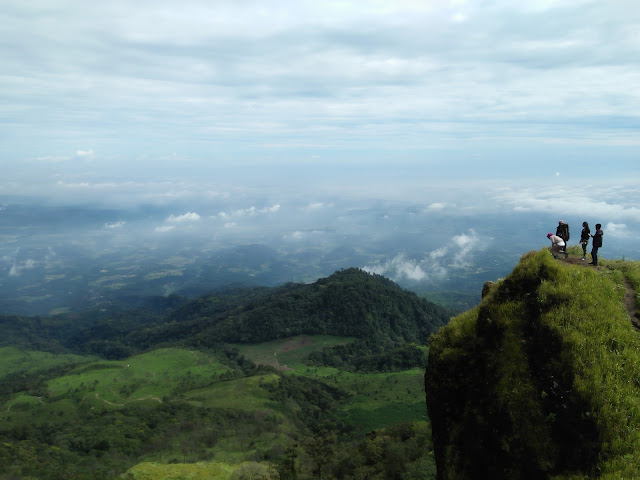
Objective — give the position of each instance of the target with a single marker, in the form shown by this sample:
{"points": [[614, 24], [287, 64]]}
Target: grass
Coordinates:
{"points": [[600, 351], [254, 424], [14, 360], [289, 353], [191, 471]]}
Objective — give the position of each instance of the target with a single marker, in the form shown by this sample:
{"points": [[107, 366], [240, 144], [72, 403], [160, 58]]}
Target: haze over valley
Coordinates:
{"points": [[57, 256]]}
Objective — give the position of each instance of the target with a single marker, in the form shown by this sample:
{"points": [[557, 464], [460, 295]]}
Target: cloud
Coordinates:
{"points": [[435, 264], [115, 225], [250, 211], [164, 228], [187, 217], [315, 205], [307, 235], [84, 153], [617, 202], [399, 267], [437, 206], [17, 268], [616, 228], [255, 211], [229, 77], [464, 244]]}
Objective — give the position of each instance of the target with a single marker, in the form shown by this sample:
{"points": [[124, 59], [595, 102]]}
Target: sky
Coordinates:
{"points": [[304, 113]]}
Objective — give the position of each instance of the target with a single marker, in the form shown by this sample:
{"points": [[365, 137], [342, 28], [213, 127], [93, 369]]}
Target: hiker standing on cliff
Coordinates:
{"points": [[563, 232], [596, 244], [557, 245], [584, 239]]}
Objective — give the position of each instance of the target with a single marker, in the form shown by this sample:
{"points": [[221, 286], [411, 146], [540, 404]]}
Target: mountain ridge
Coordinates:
{"points": [[539, 380]]}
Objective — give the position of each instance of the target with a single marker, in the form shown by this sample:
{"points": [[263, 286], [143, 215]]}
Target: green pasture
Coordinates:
{"points": [[14, 360], [191, 471], [200, 471], [378, 399], [290, 352], [150, 375], [243, 393]]}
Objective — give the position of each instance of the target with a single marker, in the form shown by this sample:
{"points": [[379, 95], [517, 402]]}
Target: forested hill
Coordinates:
{"points": [[350, 302], [541, 379]]}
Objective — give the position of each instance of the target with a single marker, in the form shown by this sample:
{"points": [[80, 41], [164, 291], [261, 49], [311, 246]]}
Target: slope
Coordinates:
{"points": [[541, 379], [349, 303]]}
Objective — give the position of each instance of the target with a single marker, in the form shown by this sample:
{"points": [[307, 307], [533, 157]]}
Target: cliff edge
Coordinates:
{"points": [[542, 379]]}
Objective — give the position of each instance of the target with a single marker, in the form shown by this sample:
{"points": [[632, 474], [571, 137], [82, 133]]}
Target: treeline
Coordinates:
{"points": [[348, 303], [359, 358], [378, 313]]}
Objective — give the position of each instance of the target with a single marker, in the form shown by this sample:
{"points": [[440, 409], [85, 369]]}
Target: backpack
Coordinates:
{"points": [[563, 231]]}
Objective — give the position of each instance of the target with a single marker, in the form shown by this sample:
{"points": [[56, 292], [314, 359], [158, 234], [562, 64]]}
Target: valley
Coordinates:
{"points": [[216, 387]]}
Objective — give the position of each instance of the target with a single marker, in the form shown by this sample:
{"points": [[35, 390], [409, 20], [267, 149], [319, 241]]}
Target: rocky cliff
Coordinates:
{"points": [[542, 379]]}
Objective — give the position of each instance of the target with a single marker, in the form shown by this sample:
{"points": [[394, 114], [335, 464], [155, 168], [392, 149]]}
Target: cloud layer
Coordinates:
{"points": [[469, 88]]}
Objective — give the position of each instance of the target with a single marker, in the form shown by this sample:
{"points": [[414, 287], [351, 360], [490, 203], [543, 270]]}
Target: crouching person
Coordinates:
{"points": [[557, 245]]}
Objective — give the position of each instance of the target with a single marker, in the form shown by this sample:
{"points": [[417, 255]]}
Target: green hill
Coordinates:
{"points": [[541, 379], [323, 381], [349, 303]]}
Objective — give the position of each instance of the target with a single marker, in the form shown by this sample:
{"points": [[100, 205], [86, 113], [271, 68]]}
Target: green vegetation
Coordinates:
{"points": [[156, 392], [172, 407], [540, 380]]}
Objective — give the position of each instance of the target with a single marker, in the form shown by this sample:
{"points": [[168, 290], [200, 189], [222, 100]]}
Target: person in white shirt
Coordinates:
{"points": [[557, 245]]}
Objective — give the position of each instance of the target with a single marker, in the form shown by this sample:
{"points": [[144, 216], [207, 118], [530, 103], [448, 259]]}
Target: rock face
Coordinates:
{"points": [[486, 288], [521, 387]]}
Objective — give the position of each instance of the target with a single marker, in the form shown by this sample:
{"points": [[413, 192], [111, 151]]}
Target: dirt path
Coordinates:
{"points": [[631, 303]]}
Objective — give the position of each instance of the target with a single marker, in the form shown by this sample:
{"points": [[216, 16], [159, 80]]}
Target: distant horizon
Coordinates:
{"points": [[432, 141]]}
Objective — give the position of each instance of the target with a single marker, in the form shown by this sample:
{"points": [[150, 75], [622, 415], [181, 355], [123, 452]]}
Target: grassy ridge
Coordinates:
{"points": [[549, 360]]}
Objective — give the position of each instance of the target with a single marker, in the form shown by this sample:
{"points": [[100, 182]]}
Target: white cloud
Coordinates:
{"points": [[435, 264], [399, 267], [84, 153], [250, 211], [465, 244], [437, 206], [616, 228], [17, 268], [307, 235], [164, 228], [187, 217], [585, 202], [115, 225]]}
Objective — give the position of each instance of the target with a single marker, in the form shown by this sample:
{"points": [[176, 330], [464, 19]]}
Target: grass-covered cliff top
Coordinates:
{"points": [[542, 379]]}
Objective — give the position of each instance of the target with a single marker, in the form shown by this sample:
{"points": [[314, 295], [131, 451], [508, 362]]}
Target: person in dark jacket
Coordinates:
{"points": [[596, 244], [563, 232], [584, 239]]}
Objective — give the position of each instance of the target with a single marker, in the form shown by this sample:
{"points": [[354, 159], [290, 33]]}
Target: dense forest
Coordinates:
{"points": [[370, 308], [93, 394]]}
